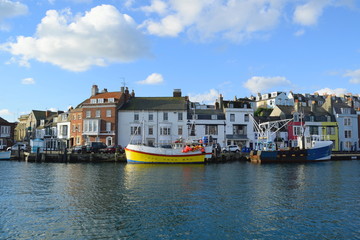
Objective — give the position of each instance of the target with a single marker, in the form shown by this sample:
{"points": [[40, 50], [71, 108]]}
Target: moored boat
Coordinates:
{"points": [[319, 151], [174, 153], [5, 155], [309, 148]]}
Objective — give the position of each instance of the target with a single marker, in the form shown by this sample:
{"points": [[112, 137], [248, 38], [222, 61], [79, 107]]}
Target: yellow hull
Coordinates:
{"points": [[134, 156]]}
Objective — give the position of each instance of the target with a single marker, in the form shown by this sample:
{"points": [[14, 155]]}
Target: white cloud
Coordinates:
{"points": [[5, 112], [100, 37], [259, 84], [299, 33], [354, 76], [337, 91], [205, 98], [309, 13], [157, 6], [11, 9], [28, 81], [205, 19], [153, 79]]}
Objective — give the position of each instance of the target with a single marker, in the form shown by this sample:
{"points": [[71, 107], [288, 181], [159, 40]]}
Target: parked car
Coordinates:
{"points": [[112, 149], [231, 148], [95, 147], [78, 149], [18, 146]]}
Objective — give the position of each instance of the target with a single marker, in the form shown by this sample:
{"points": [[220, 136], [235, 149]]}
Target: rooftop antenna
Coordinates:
{"points": [[123, 83]]}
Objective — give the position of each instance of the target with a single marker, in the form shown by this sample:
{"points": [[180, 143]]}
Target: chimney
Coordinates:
{"points": [[132, 93], [104, 91], [297, 105], [94, 90], [122, 89], [177, 93], [221, 102], [126, 91], [313, 106], [47, 113]]}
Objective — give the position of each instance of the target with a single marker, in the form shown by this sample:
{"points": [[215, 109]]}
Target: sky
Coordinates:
{"points": [[52, 51]]}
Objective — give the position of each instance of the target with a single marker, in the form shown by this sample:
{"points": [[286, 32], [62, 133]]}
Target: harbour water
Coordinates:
{"points": [[238, 200]]}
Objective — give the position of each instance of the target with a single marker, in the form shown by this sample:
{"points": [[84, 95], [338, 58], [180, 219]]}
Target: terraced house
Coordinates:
{"points": [[94, 120]]}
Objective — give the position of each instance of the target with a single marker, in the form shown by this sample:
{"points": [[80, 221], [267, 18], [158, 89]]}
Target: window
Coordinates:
{"points": [[347, 121], [347, 133], [97, 113], [211, 130], [314, 130], [91, 126], [296, 118], [42, 122], [330, 130], [232, 117], [111, 100], [88, 114], [192, 130], [136, 117], [100, 100], [74, 117], [108, 126], [151, 130], [213, 117], [151, 117], [79, 116], [164, 131], [165, 116], [345, 110], [79, 128], [93, 100], [246, 118], [297, 130], [180, 116], [108, 113], [180, 130], [239, 129], [348, 145], [64, 117], [135, 130]]}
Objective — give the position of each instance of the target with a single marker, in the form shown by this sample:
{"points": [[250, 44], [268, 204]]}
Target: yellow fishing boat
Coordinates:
{"points": [[175, 153]]}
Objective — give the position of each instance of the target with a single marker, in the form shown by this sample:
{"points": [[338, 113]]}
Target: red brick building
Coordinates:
{"points": [[95, 119]]}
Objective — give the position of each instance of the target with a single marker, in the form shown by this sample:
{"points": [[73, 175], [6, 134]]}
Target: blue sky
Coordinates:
{"points": [[52, 51]]}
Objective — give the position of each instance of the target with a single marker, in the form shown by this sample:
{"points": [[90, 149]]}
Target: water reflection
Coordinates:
{"points": [[141, 201]]}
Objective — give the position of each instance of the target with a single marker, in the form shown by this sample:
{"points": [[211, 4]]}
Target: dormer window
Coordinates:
{"points": [[100, 100], [111, 100], [42, 122], [93, 100], [296, 117]]}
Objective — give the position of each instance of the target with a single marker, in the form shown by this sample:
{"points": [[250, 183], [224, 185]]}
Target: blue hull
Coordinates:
{"points": [[306, 155]]}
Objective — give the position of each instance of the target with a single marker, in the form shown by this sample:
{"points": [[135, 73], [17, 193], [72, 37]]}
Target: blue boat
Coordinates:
{"points": [[5, 155], [309, 149]]}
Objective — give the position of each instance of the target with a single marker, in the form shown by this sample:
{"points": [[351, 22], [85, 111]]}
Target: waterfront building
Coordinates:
{"points": [[239, 125], [63, 128], [347, 120], [21, 128], [35, 120], [6, 133], [207, 120], [154, 120], [75, 116], [271, 100], [98, 119]]}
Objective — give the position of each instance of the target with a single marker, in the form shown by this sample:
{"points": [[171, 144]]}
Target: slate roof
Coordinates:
{"points": [[156, 103], [3, 120]]}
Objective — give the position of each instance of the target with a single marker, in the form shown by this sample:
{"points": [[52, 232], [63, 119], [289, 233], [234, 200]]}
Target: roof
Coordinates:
{"points": [[156, 103], [3, 120], [42, 114]]}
